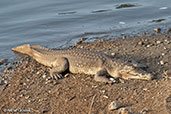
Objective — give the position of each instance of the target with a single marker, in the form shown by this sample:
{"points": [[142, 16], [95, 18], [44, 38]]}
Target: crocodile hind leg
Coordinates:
{"points": [[61, 65], [99, 77]]}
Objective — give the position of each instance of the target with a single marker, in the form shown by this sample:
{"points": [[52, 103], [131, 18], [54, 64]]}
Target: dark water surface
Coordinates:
{"points": [[58, 23]]}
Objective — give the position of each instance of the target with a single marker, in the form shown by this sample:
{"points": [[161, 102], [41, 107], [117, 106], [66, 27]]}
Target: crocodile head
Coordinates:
{"points": [[24, 49], [127, 71], [131, 72]]}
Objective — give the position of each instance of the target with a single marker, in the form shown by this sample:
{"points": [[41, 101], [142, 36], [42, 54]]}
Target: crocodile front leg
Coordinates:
{"points": [[99, 77], [60, 65]]}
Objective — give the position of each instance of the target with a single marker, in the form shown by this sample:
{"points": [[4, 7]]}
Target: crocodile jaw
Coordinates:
{"points": [[136, 74], [24, 49]]}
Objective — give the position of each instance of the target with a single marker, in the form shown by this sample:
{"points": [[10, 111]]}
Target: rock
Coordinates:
{"points": [[7, 69], [124, 111], [77, 43], [166, 41], [140, 43], [163, 54], [158, 42], [162, 62], [105, 96], [83, 39], [44, 76], [113, 105], [157, 30], [113, 54], [148, 45], [2, 61]]}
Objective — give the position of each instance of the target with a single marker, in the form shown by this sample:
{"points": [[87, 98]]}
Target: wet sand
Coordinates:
{"points": [[28, 87]]}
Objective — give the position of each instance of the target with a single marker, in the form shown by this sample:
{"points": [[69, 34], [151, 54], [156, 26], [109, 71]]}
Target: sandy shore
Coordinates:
{"points": [[28, 87]]}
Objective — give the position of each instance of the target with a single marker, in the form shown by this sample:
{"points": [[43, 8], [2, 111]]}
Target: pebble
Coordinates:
{"points": [[163, 54], [123, 111], [148, 45], [103, 91], [38, 72], [2, 61], [167, 41], [145, 89], [162, 62], [113, 105], [113, 54], [77, 43], [158, 42], [83, 39], [157, 30], [44, 76], [26, 97], [6, 69], [140, 43], [105, 96]]}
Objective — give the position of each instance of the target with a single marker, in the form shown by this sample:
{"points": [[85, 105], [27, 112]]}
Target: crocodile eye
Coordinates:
{"points": [[130, 68]]}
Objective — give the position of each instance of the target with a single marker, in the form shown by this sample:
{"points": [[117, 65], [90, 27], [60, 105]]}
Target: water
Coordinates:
{"points": [[58, 23]]}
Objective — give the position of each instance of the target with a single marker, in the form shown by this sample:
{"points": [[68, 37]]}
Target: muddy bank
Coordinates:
{"points": [[28, 87]]}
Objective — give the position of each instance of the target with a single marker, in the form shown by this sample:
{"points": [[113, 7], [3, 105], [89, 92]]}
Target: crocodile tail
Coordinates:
{"points": [[24, 49]]}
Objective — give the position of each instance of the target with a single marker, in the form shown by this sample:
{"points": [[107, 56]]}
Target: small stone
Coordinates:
{"points": [[145, 89], [140, 43], [148, 45], [83, 39], [167, 41], [105, 96], [44, 76], [113, 105], [38, 72], [124, 111], [2, 61], [112, 79], [162, 62], [29, 101], [24, 84], [157, 30], [163, 54], [103, 91], [158, 42], [7, 69], [113, 54], [81, 46], [77, 43], [26, 97]]}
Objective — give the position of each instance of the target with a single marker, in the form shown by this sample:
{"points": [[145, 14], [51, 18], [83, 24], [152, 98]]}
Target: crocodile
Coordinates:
{"points": [[85, 61]]}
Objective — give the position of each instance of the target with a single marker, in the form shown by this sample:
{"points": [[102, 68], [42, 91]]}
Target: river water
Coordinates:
{"points": [[59, 23]]}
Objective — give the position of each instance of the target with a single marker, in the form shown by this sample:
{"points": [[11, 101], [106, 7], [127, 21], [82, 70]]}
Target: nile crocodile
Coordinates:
{"points": [[83, 61]]}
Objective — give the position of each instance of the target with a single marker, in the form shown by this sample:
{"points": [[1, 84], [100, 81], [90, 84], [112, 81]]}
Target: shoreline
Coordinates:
{"points": [[28, 87]]}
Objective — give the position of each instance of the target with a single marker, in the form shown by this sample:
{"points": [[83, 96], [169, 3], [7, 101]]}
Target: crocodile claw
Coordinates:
{"points": [[57, 76]]}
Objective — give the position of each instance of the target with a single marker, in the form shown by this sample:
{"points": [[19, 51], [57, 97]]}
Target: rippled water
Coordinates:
{"points": [[56, 23]]}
